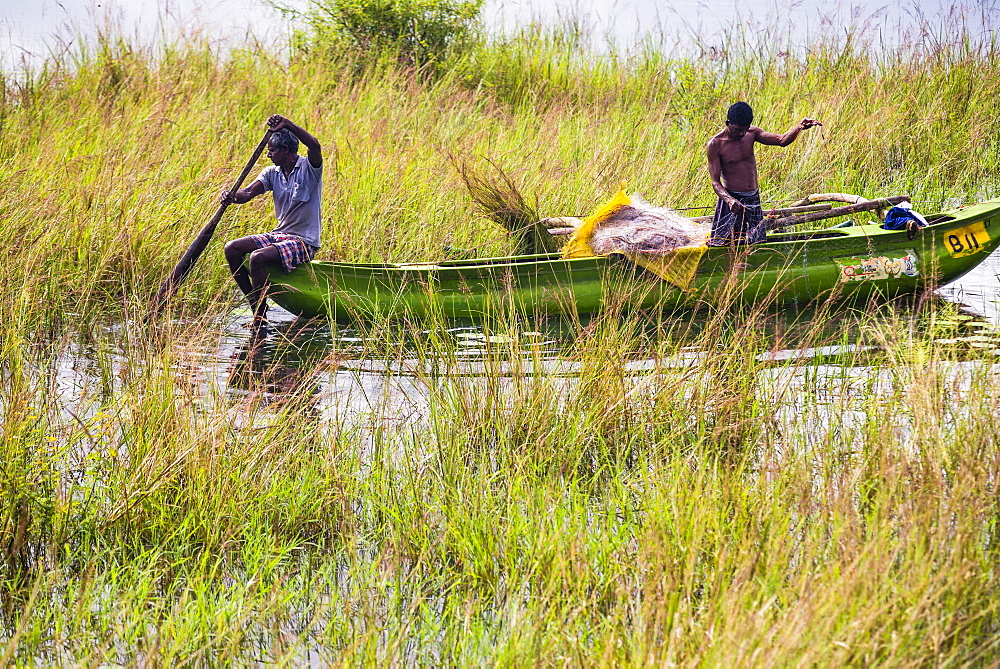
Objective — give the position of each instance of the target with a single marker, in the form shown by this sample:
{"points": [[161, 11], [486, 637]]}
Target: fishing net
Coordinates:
{"points": [[658, 239]]}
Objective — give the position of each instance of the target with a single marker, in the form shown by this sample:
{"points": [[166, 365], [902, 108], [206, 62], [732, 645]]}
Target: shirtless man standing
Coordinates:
{"points": [[732, 165]]}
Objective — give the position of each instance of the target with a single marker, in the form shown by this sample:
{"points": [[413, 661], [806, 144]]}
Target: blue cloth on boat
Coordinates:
{"points": [[898, 216]]}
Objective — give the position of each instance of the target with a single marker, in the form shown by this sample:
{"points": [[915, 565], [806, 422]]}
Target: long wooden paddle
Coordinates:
{"points": [[193, 252]]}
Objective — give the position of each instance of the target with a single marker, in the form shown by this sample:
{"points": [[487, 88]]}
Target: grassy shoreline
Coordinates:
{"points": [[734, 509], [112, 163]]}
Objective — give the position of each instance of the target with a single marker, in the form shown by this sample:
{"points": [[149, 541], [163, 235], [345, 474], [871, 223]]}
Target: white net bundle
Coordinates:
{"points": [[640, 227]]}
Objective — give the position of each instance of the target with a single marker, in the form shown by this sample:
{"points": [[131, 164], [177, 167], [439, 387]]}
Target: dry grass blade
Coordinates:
{"points": [[499, 199]]}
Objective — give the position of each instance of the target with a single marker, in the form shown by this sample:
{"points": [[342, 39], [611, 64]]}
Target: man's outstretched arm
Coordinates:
{"points": [[772, 139], [243, 195]]}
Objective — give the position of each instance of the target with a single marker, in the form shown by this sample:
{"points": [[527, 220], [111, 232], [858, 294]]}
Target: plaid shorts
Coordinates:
{"points": [[293, 250]]}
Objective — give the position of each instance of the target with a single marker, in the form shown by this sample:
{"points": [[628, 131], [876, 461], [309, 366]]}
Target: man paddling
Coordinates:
{"points": [[732, 166], [296, 183]]}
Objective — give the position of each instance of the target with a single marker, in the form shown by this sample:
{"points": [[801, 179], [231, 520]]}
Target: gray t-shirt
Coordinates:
{"points": [[296, 198]]}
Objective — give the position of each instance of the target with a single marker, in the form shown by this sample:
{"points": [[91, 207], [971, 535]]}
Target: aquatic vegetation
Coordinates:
{"points": [[734, 485], [659, 488]]}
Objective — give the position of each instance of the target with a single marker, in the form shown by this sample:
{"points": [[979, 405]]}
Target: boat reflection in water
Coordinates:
{"points": [[392, 374], [279, 364], [304, 357]]}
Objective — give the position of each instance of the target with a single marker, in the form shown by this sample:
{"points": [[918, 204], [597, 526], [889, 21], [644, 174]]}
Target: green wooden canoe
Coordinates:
{"points": [[802, 267]]}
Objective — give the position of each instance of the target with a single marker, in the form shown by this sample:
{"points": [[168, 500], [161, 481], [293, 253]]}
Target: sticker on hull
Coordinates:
{"points": [[880, 267], [966, 241]]}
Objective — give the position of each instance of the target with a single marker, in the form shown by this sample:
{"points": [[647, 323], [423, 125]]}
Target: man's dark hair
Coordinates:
{"points": [[284, 139], [740, 113]]}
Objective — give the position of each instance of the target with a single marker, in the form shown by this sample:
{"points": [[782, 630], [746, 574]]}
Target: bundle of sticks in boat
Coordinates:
{"points": [[819, 206]]}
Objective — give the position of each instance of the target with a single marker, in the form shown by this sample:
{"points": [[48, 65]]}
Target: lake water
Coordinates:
{"points": [[395, 391], [335, 377]]}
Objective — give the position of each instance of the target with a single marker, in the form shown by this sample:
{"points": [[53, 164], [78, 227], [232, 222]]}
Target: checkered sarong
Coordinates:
{"points": [[293, 250], [728, 229]]}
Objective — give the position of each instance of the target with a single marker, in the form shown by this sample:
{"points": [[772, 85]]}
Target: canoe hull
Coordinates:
{"points": [[846, 263]]}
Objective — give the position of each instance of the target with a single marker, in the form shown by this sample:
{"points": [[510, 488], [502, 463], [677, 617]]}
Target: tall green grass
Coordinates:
{"points": [[726, 509], [661, 491], [114, 158]]}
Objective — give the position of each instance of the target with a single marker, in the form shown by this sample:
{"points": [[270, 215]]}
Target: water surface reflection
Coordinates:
{"points": [[386, 376], [336, 367]]}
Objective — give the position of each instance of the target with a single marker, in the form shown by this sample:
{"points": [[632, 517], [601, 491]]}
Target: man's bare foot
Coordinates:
{"points": [[259, 325]]}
